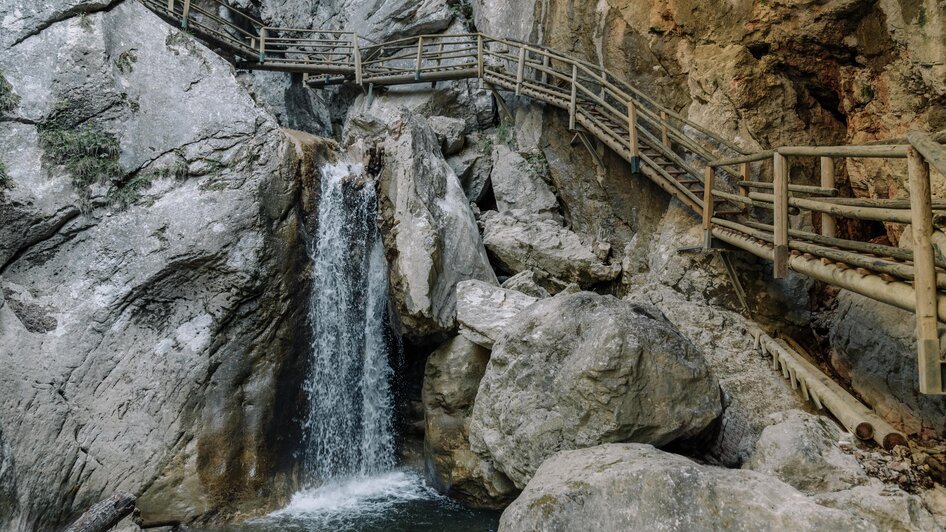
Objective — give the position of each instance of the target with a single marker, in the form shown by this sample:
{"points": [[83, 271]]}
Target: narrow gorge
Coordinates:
{"points": [[472, 265]]}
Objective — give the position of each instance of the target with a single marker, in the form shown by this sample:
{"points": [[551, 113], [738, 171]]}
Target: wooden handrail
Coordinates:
{"points": [[684, 158]]}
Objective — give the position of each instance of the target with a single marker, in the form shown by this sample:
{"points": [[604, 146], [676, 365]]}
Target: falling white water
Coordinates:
{"points": [[349, 430]]}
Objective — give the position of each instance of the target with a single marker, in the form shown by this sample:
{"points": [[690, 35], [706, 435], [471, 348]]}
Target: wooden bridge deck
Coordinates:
{"points": [[739, 199]]}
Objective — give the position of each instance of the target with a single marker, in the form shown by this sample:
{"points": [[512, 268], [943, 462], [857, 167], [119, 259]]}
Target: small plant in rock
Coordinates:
{"points": [[122, 195], [88, 154], [85, 22], [8, 99], [5, 181], [537, 162], [503, 133], [126, 61]]}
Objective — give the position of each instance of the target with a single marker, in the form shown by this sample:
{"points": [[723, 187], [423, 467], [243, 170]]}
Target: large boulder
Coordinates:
{"points": [[874, 348], [518, 184], [451, 379], [526, 283], [450, 133], [581, 369], [431, 239], [536, 243], [150, 317], [619, 487], [484, 310], [802, 450], [887, 507]]}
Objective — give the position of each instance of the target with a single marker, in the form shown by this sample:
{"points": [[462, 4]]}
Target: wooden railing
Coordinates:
{"points": [[746, 209]]}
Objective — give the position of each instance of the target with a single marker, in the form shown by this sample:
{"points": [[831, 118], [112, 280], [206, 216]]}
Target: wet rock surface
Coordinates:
{"points": [[451, 380]]}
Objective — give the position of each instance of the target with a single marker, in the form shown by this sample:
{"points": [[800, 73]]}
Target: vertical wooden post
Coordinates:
{"points": [[420, 56], [356, 58], [521, 69], [262, 45], [780, 269], [186, 13], [632, 134], [545, 64], [828, 222], [708, 208], [746, 173], [664, 130], [171, 6], [433, 84], [924, 281], [479, 55], [574, 98]]}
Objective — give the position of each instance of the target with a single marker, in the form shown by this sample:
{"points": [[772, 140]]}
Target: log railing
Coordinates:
{"points": [[910, 277], [751, 210]]}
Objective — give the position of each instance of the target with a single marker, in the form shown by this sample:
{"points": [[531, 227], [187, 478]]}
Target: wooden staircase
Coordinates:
{"points": [[742, 199]]}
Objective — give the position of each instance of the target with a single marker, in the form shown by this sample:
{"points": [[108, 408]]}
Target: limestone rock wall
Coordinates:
{"points": [[148, 316]]}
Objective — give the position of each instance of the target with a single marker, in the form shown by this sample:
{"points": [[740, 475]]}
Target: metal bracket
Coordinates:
{"points": [[636, 164]]}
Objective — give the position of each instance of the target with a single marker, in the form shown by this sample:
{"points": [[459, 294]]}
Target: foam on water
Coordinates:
{"points": [[362, 496]]}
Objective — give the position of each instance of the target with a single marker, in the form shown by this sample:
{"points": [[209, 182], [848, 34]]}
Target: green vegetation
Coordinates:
{"points": [[8, 99], [90, 155], [85, 22], [503, 133], [537, 162], [126, 61], [5, 181], [125, 194]]}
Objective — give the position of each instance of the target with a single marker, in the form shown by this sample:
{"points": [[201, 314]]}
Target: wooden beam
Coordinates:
{"points": [[664, 130], [262, 45], [420, 56], [356, 55], [780, 257], [105, 514], [934, 152], [185, 13], [479, 56], [632, 134], [924, 284], [745, 172], [572, 110], [520, 70], [828, 222]]}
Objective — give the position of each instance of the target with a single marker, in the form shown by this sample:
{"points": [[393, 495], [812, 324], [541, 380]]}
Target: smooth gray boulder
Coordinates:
{"points": [[451, 379], [518, 184], [521, 243], [874, 347], [802, 450], [620, 487], [450, 133], [525, 282], [484, 310], [144, 342], [582, 369], [430, 236], [887, 507]]}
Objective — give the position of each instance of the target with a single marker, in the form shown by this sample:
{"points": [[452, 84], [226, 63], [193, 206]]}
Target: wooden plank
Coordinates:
{"points": [[745, 172], [828, 222], [924, 284], [846, 211], [262, 45], [708, 206], [780, 268]]}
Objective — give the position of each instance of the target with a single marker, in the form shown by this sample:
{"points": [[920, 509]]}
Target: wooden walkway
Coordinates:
{"points": [[743, 199]]}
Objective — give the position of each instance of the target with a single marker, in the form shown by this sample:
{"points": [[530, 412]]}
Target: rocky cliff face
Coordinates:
{"points": [[149, 263]]}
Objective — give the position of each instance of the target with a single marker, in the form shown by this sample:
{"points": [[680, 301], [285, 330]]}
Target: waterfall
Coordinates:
{"points": [[349, 430]]}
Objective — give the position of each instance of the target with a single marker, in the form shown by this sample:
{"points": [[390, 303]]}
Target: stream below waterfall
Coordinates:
{"points": [[354, 482]]}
